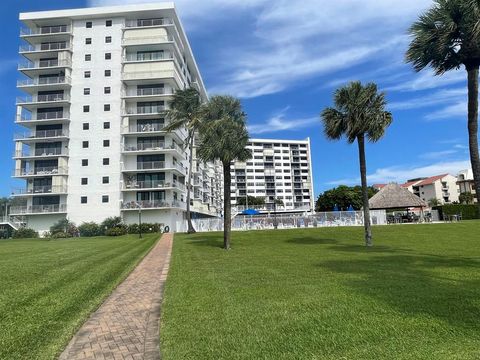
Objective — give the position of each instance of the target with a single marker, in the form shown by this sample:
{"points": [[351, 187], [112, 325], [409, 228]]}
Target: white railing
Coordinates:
{"points": [[157, 165], [48, 170], [38, 209], [153, 184], [154, 145], [148, 22], [45, 47], [42, 98], [138, 40], [47, 189], [144, 110], [151, 204], [50, 80], [46, 30], [41, 152], [149, 91], [42, 134], [41, 64]]}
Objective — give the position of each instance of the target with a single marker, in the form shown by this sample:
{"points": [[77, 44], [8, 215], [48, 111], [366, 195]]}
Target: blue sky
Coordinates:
{"points": [[284, 59]]}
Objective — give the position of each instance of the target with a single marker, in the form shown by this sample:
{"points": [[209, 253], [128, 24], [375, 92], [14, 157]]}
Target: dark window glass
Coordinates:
{"points": [[105, 199], [88, 41], [88, 57], [86, 126], [106, 125], [83, 199], [106, 107], [87, 74], [108, 39], [84, 181], [106, 161], [86, 108], [86, 91], [108, 72], [108, 23], [105, 180], [108, 56], [88, 24], [107, 90], [84, 162], [106, 143], [85, 144]]}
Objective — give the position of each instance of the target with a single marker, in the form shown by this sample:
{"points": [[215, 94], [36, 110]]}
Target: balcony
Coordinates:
{"points": [[44, 81], [154, 184], [51, 117], [40, 153], [45, 31], [153, 147], [144, 110], [41, 190], [141, 23], [53, 46], [42, 134], [152, 205], [147, 40], [41, 99], [149, 92], [38, 209], [157, 165], [40, 171]]}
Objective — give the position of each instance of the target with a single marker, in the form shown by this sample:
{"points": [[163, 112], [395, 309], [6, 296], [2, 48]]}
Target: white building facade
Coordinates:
{"points": [[93, 144], [466, 184], [280, 172]]}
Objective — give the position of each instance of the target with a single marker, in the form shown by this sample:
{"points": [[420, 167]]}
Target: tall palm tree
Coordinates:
{"points": [[185, 111], [224, 137], [359, 113], [447, 37]]}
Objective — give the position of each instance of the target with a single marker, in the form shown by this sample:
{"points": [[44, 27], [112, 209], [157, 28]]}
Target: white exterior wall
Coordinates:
{"points": [[176, 70]]}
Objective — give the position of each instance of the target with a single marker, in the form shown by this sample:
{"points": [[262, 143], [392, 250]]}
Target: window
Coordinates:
{"points": [[86, 91], [106, 161], [104, 198], [86, 108], [84, 162], [83, 199], [84, 181], [106, 125], [108, 72], [88, 24], [88, 57], [106, 107], [108, 39], [86, 126], [105, 180], [87, 74], [108, 23], [88, 41], [85, 144], [108, 56], [106, 143], [107, 90]]}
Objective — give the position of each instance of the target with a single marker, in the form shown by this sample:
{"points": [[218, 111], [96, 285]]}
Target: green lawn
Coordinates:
{"points": [[49, 287], [319, 294]]}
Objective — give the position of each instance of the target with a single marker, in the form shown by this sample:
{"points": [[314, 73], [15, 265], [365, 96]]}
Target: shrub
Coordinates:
{"points": [[25, 233], [110, 223], [468, 212], [65, 226], [132, 229], [146, 228], [116, 231], [89, 229], [60, 235]]}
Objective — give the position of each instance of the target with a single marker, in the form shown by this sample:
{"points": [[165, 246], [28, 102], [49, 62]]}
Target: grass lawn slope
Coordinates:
{"points": [[319, 294], [49, 287]]}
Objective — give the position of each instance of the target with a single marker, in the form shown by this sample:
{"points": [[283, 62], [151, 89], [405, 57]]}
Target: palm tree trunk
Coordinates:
{"points": [[227, 210], [190, 228], [363, 175], [473, 126]]}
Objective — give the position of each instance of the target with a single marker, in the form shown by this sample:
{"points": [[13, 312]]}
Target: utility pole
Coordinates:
{"points": [[139, 220]]}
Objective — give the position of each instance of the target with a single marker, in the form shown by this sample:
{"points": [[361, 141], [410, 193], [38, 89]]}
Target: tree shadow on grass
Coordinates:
{"points": [[311, 241], [445, 288]]}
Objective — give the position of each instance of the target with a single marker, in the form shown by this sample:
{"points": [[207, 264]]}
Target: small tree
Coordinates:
{"points": [[466, 198], [64, 226], [434, 202], [252, 201], [224, 138]]}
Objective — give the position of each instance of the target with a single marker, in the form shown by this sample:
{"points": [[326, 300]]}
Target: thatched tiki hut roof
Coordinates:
{"points": [[393, 196]]}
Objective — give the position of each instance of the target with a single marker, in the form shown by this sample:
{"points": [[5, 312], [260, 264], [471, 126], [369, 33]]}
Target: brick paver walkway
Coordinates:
{"points": [[126, 326]]}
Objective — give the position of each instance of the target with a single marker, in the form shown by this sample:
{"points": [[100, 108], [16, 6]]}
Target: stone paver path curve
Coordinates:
{"points": [[126, 325]]}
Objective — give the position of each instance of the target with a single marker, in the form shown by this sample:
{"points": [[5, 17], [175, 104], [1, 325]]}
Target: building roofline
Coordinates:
{"points": [[307, 140]]}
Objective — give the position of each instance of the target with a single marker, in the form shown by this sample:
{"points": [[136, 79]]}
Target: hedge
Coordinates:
{"points": [[468, 212]]}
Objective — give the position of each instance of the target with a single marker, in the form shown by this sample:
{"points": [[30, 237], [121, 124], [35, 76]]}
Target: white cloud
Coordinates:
{"points": [[439, 97], [400, 174], [438, 154], [457, 110], [279, 122], [427, 80]]}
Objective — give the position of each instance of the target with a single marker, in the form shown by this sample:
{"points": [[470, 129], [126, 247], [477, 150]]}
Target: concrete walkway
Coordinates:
{"points": [[126, 326]]}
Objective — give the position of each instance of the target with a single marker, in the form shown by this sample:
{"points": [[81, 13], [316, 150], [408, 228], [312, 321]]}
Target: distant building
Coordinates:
{"points": [[466, 184], [442, 187], [280, 170]]}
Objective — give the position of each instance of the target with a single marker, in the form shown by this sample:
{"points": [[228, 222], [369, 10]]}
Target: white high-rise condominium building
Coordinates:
{"points": [[280, 170], [97, 84]]}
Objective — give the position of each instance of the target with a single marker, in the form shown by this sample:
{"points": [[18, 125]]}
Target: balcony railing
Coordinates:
{"points": [[43, 64], [38, 209], [154, 145], [42, 134], [42, 171], [148, 22], [158, 165], [150, 91], [45, 47], [145, 110], [45, 30], [51, 80], [152, 204], [51, 115], [42, 98], [47, 189], [153, 184], [41, 152], [137, 40]]}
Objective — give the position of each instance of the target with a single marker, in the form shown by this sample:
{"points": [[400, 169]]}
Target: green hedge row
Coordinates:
{"points": [[468, 212]]}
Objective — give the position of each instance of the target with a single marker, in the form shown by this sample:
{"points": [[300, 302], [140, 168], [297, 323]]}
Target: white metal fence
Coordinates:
{"points": [[264, 222]]}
